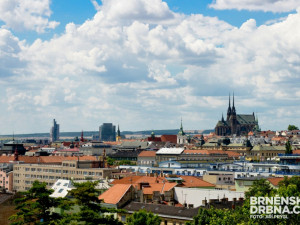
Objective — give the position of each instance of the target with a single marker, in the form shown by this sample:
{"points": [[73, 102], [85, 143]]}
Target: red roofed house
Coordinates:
{"points": [[169, 138], [274, 181], [118, 195], [146, 158]]}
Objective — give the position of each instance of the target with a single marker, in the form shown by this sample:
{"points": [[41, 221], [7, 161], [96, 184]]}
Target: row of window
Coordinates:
{"points": [[63, 171]]}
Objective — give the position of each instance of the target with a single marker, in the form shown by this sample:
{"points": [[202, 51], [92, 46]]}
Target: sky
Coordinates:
{"points": [[145, 64]]}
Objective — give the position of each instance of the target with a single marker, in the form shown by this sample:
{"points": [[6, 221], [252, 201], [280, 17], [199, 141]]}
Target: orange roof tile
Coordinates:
{"points": [[139, 179], [127, 180], [190, 181], [161, 187], [296, 151], [114, 194], [147, 154], [275, 180]]}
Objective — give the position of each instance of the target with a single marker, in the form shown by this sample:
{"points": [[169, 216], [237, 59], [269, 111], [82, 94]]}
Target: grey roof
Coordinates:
{"points": [[163, 210], [268, 148], [246, 119], [136, 144]]}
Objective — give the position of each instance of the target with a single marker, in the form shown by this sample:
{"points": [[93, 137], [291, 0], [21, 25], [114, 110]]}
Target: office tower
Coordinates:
{"points": [[107, 132], [54, 132]]}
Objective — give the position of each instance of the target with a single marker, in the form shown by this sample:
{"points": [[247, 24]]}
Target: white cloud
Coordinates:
{"points": [[257, 5], [23, 15], [123, 67]]}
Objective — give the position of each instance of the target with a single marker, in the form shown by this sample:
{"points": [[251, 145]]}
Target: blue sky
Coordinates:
{"points": [[145, 64]]}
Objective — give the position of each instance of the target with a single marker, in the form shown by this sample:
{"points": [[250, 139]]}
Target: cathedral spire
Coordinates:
{"points": [[181, 132], [233, 108], [81, 138], [222, 118], [229, 109]]}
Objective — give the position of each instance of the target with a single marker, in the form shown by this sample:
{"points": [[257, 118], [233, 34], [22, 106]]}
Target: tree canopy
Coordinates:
{"points": [[288, 148], [143, 217], [292, 127], [35, 206]]}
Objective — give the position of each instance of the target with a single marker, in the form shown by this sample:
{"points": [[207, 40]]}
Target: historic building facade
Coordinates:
{"points": [[239, 124]]}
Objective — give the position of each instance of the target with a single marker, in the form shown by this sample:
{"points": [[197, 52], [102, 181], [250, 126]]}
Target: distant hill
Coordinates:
{"points": [[90, 133]]}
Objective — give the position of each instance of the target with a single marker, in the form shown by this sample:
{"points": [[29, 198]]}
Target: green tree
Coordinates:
{"points": [[110, 161], [142, 217], [214, 216], [288, 148], [91, 212], [292, 127], [260, 187], [34, 207]]}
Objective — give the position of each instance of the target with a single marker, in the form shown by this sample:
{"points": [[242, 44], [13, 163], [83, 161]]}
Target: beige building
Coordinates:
{"points": [[265, 152], [26, 174], [221, 180]]}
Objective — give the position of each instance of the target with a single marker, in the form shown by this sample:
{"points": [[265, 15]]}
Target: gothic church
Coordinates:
{"points": [[238, 124]]}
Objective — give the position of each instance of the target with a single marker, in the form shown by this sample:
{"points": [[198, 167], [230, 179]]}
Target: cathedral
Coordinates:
{"points": [[238, 124]]}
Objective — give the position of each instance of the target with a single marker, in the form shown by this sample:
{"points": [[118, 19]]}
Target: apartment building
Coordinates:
{"points": [[26, 174]]}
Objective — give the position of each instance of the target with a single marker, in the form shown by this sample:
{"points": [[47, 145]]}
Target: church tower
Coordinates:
{"points": [[228, 110], [233, 119], [118, 134], [181, 137]]}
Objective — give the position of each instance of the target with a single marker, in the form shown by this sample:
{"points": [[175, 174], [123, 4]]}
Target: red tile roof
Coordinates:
{"points": [[296, 151], [169, 138], [275, 180], [127, 180], [138, 180], [190, 181], [147, 154], [114, 194], [161, 187]]}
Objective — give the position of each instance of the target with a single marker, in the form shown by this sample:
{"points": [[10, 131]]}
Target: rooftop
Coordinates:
{"points": [[171, 151], [114, 194]]}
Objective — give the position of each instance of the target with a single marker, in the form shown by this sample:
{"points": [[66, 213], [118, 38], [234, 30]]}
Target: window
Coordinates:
{"points": [[61, 190]]}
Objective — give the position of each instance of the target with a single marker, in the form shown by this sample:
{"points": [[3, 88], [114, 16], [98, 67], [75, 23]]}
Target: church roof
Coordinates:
{"points": [[245, 118], [221, 123]]}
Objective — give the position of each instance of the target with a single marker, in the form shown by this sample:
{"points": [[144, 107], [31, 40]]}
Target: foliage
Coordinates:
{"points": [[226, 141], [126, 162], [260, 187], [288, 187], [110, 161], [288, 148], [214, 216], [35, 206], [142, 217], [91, 212], [292, 127]]}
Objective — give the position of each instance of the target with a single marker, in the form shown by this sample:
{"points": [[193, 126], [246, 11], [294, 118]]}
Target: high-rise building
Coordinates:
{"points": [[107, 132], [54, 132]]}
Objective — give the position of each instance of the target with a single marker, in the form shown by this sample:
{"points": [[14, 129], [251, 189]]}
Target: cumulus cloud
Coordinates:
{"points": [[122, 67], [257, 5], [22, 15]]}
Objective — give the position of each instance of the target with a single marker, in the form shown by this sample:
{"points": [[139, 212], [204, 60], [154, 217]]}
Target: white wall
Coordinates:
{"points": [[195, 196]]}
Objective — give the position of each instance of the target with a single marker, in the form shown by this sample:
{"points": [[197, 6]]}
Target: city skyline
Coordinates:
{"points": [[145, 65]]}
